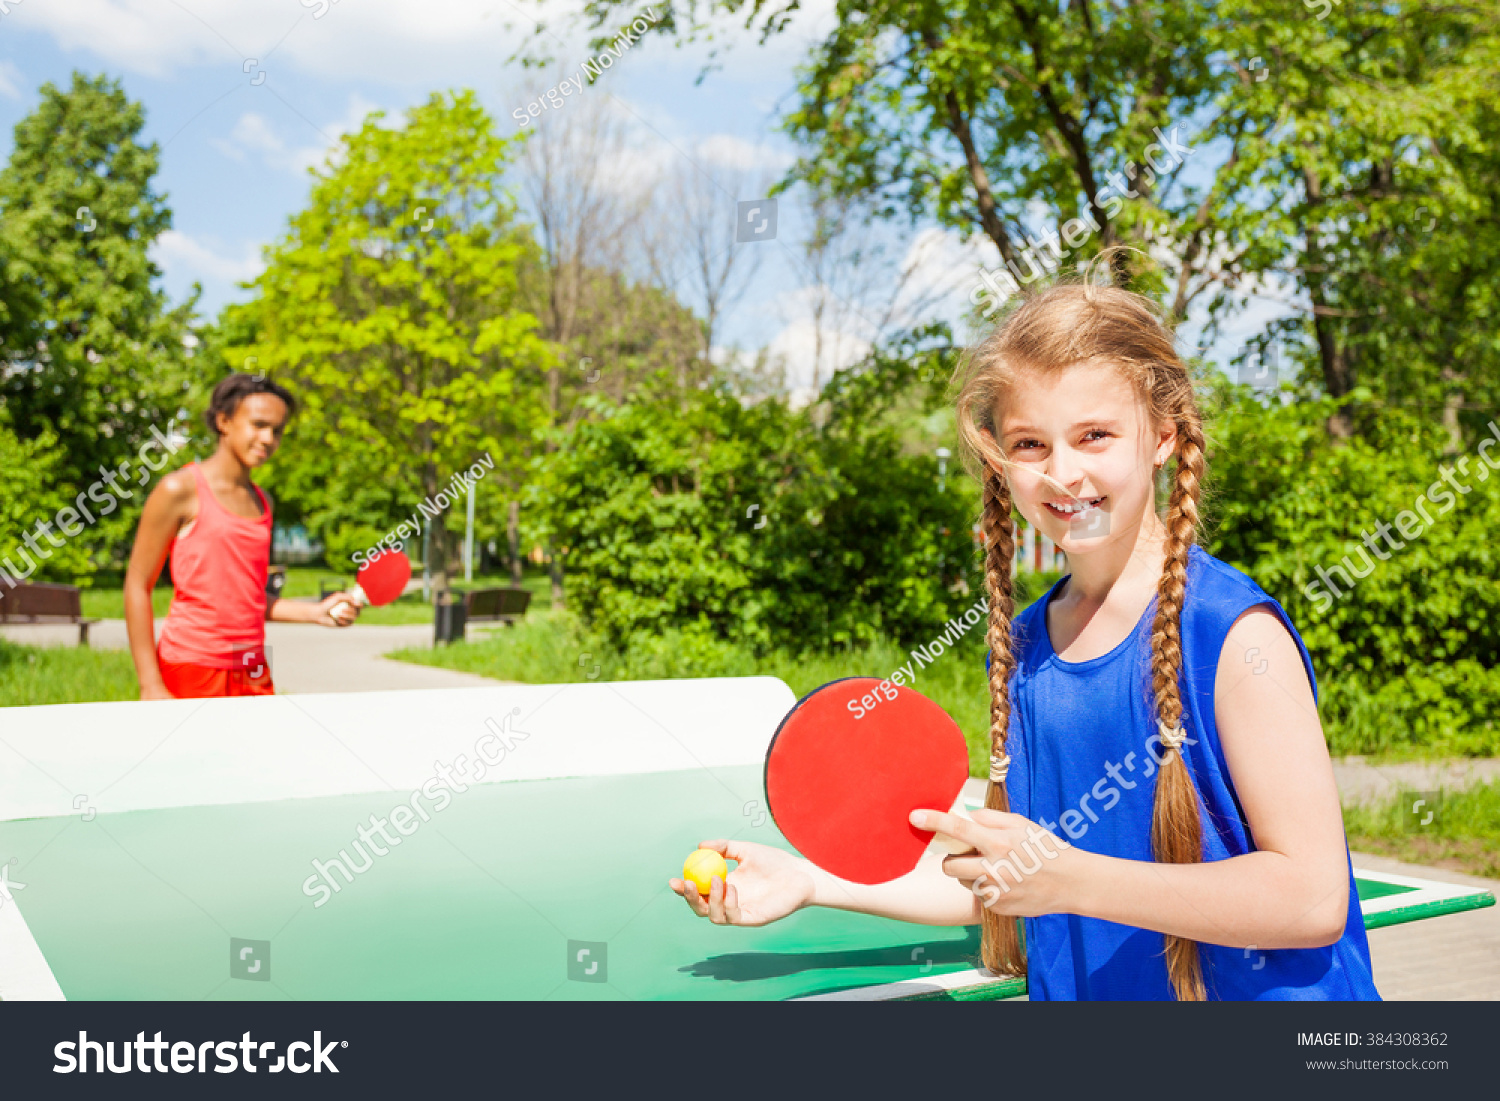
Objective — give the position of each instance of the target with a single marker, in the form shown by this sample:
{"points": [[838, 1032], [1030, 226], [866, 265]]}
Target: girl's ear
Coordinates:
{"points": [[989, 465]]}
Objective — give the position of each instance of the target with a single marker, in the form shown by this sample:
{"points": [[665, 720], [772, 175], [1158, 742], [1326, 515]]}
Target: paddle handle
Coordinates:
{"points": [[360, 600]]}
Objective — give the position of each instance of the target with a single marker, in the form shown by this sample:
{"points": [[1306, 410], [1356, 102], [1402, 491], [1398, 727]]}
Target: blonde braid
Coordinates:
{"points": [[1000, 942], [1176, 829]]}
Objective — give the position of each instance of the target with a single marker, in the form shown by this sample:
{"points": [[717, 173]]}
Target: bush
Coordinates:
{"points": [[341, 543], [1447, 710], [751, 525], [1407, 654]]}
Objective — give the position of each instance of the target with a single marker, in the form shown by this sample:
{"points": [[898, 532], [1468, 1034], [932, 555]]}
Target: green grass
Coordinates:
{"points": [[549, 649], [302, 584], [1463, 836], [110, 603], [32, 675], [552, 648]]}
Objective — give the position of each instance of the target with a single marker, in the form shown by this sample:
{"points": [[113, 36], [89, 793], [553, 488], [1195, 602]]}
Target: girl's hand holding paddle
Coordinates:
{"points": [[338, 610], [331, 604], [1016, 868], [767, 885]]}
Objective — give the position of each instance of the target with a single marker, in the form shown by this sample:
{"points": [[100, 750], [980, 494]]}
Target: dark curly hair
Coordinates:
{"points": [[235, 389]]}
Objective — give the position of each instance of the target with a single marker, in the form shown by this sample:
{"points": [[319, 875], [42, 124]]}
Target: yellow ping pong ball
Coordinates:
{"points": [[700, 868]]}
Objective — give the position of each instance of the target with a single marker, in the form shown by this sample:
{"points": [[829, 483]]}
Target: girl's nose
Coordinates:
{"points": [[1064, 469]]}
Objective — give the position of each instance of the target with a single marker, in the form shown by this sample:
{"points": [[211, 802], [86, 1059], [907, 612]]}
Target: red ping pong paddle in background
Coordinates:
{"points": [[379, 581], [843, 776]]}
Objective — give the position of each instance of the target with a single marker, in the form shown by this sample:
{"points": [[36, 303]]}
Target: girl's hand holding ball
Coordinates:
{"points": [[767, 883], [701, 867]]}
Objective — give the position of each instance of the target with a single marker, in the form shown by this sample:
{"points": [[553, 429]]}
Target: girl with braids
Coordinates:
{"points": [[1161, 814]]}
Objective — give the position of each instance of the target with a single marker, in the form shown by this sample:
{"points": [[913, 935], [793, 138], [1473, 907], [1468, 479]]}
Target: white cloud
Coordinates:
{"points": [[251, 134], [655, 149], [184, 260], [943, 271], [797, 343], [12, 80], [386, 41], [728, 151], [254, 135]]}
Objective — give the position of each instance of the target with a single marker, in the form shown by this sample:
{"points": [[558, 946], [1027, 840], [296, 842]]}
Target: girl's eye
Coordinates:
{"points": [[1094, 433], [1020, 445]]}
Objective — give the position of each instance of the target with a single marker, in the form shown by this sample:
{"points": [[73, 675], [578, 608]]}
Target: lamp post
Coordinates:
{"points": [[426, 557], [469, 536], [943, 454]]}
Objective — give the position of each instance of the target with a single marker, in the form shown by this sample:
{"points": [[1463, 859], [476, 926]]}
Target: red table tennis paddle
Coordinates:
{"points": [[849, 764], [379, 581]]}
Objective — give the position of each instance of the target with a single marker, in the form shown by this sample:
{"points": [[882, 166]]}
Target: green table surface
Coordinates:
{"points": [[480, 902], [490, 899]]}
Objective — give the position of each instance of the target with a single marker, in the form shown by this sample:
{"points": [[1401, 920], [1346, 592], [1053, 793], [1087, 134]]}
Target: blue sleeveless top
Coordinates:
{"points": [[1081, 767]]}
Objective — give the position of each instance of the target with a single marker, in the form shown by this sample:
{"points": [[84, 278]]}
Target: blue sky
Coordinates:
{"points": [[235, 152], [244, 95]]}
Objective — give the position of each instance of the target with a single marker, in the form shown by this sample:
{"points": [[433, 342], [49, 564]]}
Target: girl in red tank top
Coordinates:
{"points": [[215, 524]]}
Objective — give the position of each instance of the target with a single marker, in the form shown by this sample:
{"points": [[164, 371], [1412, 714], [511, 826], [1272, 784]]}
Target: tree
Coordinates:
{"points": [[612, 332], [393, 307], [1247, 147], [1395, 610], [692, 249], [92, 355], [1372, 137], [1007, 119], [30, 492]]}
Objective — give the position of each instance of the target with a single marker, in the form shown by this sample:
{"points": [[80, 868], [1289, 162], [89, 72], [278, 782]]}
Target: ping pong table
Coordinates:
{"points": [[511, 842]]}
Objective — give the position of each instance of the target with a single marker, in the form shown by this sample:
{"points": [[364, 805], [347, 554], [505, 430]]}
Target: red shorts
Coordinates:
{"points": [[193, 682]]}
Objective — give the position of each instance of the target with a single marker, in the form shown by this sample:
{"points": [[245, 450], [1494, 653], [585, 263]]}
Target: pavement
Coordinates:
{"points": [[1362, 782], [304, 657]]}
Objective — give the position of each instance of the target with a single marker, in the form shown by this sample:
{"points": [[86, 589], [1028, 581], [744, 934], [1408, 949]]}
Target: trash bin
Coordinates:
{"points": [[451, 615]]}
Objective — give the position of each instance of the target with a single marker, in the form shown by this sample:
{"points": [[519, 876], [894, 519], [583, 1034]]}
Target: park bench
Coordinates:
{"points": [[37, 602], [454, 610], [504, 605]]}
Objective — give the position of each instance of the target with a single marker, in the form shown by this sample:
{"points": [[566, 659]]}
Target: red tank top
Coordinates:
{"points": [[219, 569]]}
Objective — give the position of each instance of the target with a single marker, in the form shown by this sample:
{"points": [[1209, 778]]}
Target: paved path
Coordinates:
{"points": [[1362, 782], [304, 657]]}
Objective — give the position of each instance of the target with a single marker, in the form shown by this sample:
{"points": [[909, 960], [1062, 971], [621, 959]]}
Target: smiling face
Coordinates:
{"points": [[253, 433], [1084, 449]]}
